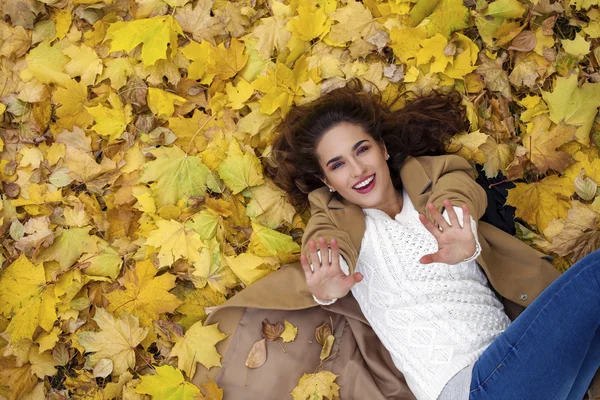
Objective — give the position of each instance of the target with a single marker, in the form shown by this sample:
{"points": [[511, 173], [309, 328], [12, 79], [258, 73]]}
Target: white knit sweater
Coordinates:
{"points": [[434, 319]]}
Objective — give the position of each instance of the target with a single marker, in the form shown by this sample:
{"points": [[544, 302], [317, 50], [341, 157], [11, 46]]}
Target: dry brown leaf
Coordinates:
{"points": [[524, 41], [580, 235], [270, 331], [258, 354], [322, 332]]}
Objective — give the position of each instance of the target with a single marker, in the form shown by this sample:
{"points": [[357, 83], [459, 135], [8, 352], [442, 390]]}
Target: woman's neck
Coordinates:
{"points": [[393, 206]]}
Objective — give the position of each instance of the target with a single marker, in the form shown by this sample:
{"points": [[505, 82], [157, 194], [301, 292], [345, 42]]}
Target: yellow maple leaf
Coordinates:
{"points": [[177, 176], [174, 241], [155, 33], [497, 157], [69, 245], [106, 263], [271, 35], [63, 22], [111, 122], [46, 63], [311, 21], [465, 59], [281, 86], [269, 205], [47, 340], [84, 63], [434, 48], [446, 17], [162, 103], [205, 224], [212, 268], [586, 159], [575, 105], [211, 391], [82, 167], [238, 95], [200, 21], [146, 295], [248, 267], [267, 242], [405, 42], [315, 386], [17, 380], [116, 340], [355, 22], [26, 299], [467, 145], [538, 203], [198, 53], [541, 142], [193, 302], [167, 384], [198, 345], [223, 62], [72, 99], [190, 129], [240, 170], [117, 71], [577, 47]]}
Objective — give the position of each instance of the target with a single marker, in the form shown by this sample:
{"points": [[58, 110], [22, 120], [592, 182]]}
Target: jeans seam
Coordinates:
{"points": [[492, 373]]}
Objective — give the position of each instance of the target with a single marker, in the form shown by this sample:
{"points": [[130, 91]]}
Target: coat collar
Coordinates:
{"points": [[414, 179]]}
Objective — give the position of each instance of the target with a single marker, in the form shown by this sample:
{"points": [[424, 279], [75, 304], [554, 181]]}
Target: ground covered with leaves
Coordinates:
{"points": [[134, 136]]}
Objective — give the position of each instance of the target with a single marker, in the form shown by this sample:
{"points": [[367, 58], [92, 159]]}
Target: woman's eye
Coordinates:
{"points": [[335, 165], [362, 148]]}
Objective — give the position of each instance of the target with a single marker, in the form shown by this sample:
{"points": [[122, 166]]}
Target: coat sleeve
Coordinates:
{"points": [[321, 224], [456, 182]]}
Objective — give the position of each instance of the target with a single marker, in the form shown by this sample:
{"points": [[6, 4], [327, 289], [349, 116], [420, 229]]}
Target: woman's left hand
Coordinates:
{"points": [[455, 243]]}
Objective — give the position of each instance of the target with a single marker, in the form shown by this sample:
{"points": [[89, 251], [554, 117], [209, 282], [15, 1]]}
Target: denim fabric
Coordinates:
{"points": [[552, 350]]}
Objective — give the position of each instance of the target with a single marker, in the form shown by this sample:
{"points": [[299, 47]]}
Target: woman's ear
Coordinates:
{"points": [[324, 180]]}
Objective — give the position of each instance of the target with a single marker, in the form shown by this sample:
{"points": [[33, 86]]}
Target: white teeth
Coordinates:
{"points": [[365, 182]]}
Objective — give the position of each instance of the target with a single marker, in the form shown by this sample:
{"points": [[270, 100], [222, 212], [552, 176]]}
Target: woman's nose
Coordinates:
{"points": [[358, 168]]}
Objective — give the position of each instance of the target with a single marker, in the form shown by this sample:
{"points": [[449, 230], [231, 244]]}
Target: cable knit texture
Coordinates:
{"points": [[434, 319]]}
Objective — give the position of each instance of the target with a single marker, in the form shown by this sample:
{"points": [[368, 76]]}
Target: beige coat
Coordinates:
{"points": [[516, 272]]}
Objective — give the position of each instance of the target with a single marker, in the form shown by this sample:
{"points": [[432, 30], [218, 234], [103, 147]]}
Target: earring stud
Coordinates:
{"points": [[387, 157], [331, 189]]}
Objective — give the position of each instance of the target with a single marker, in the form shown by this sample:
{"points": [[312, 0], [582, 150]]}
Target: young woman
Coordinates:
{"points": [[425, 287]]}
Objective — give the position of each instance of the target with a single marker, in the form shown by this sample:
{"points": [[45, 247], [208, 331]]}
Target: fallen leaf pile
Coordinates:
{"points": [[133, 139]]}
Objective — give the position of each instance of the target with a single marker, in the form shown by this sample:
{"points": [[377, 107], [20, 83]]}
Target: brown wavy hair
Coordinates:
{"points": [[422, 127]]}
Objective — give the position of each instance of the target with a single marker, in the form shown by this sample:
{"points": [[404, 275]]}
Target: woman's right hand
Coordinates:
{"points": [[327, 281]]}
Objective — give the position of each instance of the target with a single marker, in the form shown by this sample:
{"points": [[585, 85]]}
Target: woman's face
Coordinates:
{"points": [[351, 158]]}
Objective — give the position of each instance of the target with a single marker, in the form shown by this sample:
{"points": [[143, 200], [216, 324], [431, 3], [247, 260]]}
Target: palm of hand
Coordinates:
{"points": [[328, 283], [455, 243], [327, 280]]}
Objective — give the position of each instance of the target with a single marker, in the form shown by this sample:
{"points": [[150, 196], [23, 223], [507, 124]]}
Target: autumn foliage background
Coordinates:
{"points": [[134, 135]]}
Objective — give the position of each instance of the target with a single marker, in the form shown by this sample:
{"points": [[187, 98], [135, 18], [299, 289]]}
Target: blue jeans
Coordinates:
{"points": [[551, 350]]}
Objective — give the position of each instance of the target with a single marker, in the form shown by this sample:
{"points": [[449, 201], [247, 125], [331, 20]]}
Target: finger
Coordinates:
{"points": [[335, 253], [305, 267], [353, 279], [427, 259], [324, 252], [437, 216], [466, 215], [434, 230], [451, 213], [314, 257]]}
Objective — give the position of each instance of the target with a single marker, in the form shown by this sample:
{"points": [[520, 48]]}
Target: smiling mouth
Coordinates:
{"points": [[368, 186]]}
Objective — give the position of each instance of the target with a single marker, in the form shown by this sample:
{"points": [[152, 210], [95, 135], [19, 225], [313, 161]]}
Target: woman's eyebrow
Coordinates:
{"points": [[334, 159]]}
